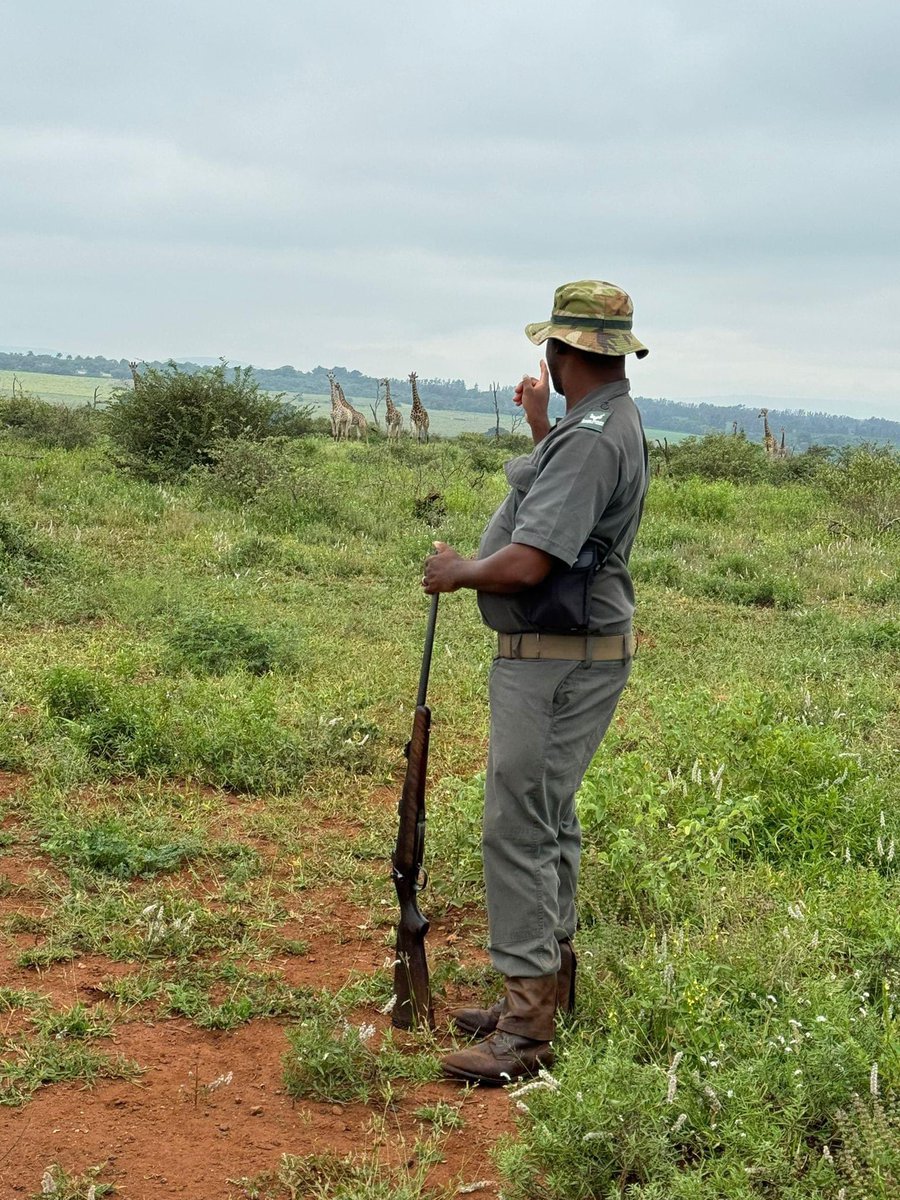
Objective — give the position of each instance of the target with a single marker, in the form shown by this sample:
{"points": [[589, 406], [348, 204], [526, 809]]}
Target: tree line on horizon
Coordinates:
{"points": [[802, 428]]}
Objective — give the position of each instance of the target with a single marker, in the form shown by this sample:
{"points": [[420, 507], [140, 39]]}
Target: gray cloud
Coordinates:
{"points": [[375, 184]]}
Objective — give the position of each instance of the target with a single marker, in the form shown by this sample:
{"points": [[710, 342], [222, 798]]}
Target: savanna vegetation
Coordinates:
{"points": [[207, 675]]}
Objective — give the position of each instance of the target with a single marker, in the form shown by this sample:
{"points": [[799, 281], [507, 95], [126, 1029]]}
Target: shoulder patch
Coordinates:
{"points": [[595, 421]]}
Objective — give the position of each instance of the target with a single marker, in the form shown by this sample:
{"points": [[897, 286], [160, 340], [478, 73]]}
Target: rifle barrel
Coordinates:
{"points": [[426, 657]]}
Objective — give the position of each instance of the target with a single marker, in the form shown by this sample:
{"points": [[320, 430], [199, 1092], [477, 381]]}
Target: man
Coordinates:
{"points": [[551, 577]]}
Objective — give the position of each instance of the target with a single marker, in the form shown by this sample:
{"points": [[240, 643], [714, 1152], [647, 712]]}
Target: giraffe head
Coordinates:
{"points": [[763, 412]]}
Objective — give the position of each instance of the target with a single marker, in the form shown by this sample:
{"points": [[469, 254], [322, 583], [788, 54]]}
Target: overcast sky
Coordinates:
{"points": [[401, 185]]}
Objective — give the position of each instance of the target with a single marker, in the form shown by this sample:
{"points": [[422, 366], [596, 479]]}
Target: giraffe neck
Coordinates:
{"points": [[389, 406]]}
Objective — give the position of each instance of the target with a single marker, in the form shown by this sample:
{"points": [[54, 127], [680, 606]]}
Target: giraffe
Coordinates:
{"points": [[768, 436], [782, 449], [134, 375], [418, 417], [352, 418], [392, 416], [339, 414]]}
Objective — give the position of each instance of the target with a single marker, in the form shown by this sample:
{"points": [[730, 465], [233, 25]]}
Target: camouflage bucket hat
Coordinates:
{"points": [[591, 315]]}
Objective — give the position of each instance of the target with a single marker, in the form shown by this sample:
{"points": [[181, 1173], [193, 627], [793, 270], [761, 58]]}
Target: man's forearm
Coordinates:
{"points": [[508, 570]]}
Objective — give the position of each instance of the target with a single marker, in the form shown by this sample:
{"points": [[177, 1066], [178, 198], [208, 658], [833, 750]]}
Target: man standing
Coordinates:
{"points": [[552, 580]]}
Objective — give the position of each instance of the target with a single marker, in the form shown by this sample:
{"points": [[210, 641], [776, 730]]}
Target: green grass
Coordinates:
{"points": [[71, 390], [207, 689]]}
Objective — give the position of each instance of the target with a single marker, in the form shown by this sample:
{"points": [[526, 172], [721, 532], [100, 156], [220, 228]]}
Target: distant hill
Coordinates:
{"points": [[802, 428]]}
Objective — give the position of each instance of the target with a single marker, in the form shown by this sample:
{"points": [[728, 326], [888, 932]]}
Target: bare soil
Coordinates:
{"points": [[209, 1109]]}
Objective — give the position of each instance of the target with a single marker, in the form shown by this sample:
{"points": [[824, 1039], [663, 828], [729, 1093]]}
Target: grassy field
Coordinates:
{"points": [[206, 689], [74, 390]]}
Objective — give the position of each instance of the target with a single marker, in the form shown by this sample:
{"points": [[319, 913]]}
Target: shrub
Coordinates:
{"points": [[332, 1060], [51, 425], [171, 420], [111, 847], [717, 456], [212, 645], [23, 558], [866, 481]]}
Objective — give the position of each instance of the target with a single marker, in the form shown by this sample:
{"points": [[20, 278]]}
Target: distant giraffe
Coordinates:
{"points": [[136, 379], [782, 449], [769, 442], [734, 431], [392, 415], [353, 418], [340, 415], [418, 418]]}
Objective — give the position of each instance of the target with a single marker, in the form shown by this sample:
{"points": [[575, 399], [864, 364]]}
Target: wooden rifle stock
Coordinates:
{"points": [[412, 988]]}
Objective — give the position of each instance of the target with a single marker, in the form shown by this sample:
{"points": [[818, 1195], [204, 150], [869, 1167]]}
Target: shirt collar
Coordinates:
{"points": [[598, 398]]}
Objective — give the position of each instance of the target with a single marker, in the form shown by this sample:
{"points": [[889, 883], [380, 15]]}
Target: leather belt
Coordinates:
{"points": [[587, 647]]}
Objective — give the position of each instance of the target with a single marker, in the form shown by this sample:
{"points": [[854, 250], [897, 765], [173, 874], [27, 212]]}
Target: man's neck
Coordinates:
{"points": [[582, 387]]}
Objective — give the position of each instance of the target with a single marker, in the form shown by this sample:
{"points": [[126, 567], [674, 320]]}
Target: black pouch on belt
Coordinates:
{"points": [[561, 603]]}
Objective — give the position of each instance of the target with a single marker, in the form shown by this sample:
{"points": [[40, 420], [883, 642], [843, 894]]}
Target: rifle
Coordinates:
{"points": [[411, 986]]}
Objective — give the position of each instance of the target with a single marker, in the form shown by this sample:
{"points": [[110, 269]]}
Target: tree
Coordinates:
{"points": [[171, 420]]}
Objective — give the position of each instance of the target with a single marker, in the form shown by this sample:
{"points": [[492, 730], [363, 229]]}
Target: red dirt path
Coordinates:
{"points": [[168, 1133]]}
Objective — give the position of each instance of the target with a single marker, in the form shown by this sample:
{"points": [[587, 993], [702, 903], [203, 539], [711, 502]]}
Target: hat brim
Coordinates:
{"points": [[616, 342]]}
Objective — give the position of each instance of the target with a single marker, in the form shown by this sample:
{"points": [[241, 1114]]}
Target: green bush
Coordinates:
{"points": [[865, 480], [171, 421], [717, 456], [51, 425], [111, 847], [213, 645], [24, 559], [333, 1060]]}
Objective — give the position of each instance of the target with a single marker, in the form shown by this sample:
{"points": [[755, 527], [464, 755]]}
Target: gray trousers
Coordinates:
{"points": [[547, 720]]}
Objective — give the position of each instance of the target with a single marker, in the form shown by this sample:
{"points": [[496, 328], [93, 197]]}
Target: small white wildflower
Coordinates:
{"points": [[592, 1135], [220, 1081], [549, 1080], [826, 1154], [814, 940], [873, 1079], [730, 1093], [798, 1071], [890, 853], [881, 818], [48, 1187], [482, 1185], [772, 998], [846, 854], [796, 1024], [522, 1107], [366, 1033], [579, 1097], [389, 1007], [679, 1124], [671, 1076], [821, 1019], [91, 1192], [536, 1085], [879, 846]]}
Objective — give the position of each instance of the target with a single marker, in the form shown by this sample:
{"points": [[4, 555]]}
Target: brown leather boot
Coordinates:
{"points": [[521, 1043], [479, 1022]]}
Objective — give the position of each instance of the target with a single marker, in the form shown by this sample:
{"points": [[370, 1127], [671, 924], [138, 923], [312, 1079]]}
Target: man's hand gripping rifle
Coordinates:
{"points": [[411, 985]]}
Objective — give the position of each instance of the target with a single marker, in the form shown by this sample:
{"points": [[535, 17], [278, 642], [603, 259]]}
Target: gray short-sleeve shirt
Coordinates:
{"points": [[586, 478]]}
